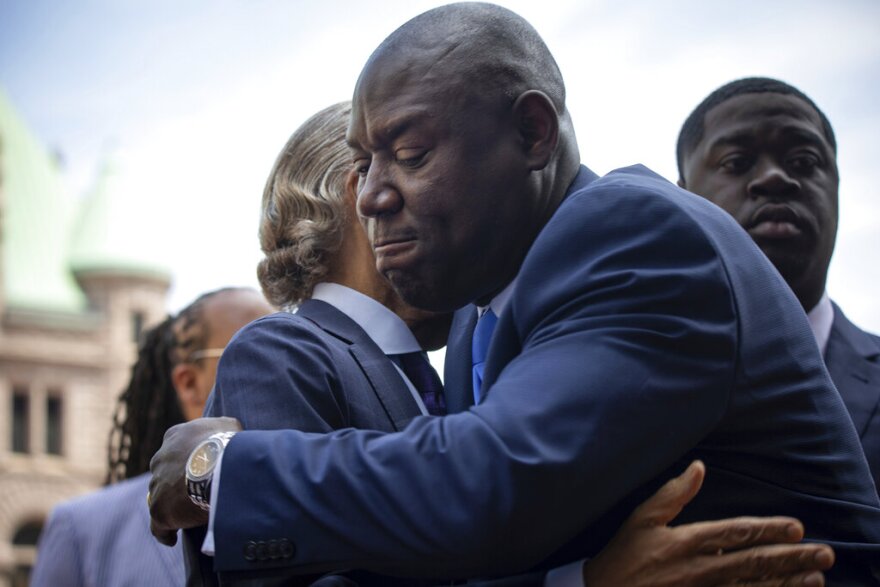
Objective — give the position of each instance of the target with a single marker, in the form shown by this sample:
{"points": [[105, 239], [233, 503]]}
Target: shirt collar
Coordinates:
{"points": [[821, 317], [499, 302], [387, 330]]}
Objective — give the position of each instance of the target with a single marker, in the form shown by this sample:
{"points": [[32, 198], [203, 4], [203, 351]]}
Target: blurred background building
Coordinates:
{"points": [[73, 302]]}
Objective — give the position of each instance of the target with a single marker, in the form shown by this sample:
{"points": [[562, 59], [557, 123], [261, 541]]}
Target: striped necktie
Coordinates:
{"points": [[480, 348]]}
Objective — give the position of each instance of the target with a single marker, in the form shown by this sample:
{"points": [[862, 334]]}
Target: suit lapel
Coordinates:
{"points": [[384, 379], [853, 361], [457, 378]]}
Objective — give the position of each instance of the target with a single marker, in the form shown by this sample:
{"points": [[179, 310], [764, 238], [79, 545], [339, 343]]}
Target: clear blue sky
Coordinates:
{"points": [[197, 97]]}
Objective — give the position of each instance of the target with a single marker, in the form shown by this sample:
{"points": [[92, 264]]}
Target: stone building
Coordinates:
{"points": [[73, 302]]}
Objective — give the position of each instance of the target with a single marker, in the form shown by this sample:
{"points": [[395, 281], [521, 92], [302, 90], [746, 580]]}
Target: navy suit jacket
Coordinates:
{"points": [[645, 329], [103, 538], [853, 360], [315, 371]]}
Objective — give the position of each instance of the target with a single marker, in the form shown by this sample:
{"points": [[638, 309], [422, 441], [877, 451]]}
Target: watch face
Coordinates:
{"points": [[203, 458]]}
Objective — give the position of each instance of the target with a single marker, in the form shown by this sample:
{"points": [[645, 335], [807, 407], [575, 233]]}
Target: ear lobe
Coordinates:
{"points": [[538, 124]]}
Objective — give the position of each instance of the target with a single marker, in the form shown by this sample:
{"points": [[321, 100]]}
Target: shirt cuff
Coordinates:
{"points": [[570, 575], [208, 543]]}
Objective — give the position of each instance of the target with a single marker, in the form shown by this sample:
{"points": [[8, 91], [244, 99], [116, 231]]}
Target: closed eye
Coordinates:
{"points": [[410, 158], [361, 166]]}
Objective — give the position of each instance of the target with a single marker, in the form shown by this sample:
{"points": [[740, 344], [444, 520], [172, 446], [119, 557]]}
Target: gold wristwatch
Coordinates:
{"points": [[200, 468]]}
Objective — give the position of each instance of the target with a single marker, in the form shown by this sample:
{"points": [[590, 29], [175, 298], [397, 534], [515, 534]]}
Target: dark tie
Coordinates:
{"points": [[480, 348], [426, 381]]}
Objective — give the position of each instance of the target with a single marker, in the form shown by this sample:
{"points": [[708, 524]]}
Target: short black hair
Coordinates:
{"points": [[692, 130]]}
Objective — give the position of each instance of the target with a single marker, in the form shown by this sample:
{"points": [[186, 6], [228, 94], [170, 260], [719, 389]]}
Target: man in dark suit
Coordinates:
{"points": [[631, 338], [330, 364], [766, 154]]}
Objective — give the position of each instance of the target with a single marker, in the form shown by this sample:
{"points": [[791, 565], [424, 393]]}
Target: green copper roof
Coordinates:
{"points": [[113, 230], [34, 220], [45, 236]]}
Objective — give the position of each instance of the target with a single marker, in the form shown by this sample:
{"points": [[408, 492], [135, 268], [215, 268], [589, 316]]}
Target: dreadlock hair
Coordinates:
{"points": [[149, 405], [692, 130]]}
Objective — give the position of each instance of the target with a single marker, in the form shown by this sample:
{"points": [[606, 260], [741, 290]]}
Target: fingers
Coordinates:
{"points": [[740, 533], [166, 537], [662, 507], [814, 579], [773, 565]]}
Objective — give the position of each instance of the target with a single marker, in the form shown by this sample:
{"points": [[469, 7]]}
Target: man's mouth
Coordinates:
{"points": [[392, 245], [775, 221], [392, 252]]}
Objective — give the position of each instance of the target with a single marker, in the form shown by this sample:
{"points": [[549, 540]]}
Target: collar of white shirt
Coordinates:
{"points": [[387, 330], [499, 302], [821, 317]]}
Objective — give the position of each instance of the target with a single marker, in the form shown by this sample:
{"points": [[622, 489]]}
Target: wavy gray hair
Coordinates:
{"points": [[304, 211]]}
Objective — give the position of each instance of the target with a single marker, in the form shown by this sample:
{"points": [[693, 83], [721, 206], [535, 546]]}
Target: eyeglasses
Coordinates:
{"points": [[204, 354]]}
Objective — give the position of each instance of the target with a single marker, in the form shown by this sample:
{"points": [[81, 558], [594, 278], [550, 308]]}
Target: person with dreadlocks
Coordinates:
{"points": [[103, 538]]}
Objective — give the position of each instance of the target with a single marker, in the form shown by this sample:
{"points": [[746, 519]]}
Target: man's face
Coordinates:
{"points": [[444, 191], [765, 160], [224, 315]]}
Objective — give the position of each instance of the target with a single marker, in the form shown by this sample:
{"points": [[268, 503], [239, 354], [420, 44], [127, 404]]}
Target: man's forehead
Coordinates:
{"points": [[381, 111], [771, 109]]}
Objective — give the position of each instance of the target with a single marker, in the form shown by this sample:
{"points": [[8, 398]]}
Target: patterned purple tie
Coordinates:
{"points": [[425, 379]]}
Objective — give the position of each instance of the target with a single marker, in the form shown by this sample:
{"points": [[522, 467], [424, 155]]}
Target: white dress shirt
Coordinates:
{"points": [[821, 317]]}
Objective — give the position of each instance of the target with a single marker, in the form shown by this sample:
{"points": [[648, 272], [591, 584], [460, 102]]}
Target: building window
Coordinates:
{"points": [[54, 426], [137, 326], [24, 550], [20, 425]]}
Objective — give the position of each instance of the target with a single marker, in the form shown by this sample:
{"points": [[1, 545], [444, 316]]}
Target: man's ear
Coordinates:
{"points": [[183, 377], [538, 124]]}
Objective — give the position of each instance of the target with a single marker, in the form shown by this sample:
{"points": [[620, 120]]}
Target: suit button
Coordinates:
{"points": [[262, 551], [273, 549], [286, 548], [250, 551]]}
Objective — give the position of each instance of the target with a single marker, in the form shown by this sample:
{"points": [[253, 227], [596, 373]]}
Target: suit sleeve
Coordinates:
{"points": [[617, 360], [278, 372], [59, 561]]}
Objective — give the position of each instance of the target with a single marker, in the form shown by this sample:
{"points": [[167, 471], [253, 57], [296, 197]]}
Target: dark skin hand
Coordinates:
{"points": [[762, 552], [170, 506]]}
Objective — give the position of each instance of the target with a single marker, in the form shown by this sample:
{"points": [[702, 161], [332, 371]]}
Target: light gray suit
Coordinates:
{"points": [[103, 539]]}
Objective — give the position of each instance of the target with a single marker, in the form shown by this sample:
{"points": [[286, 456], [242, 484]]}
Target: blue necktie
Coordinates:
{"points": [[480, 348], [425, 379]]}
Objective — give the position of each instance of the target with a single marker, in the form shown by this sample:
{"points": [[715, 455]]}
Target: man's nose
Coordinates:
{"points": [[772, 179], [377, 193]]}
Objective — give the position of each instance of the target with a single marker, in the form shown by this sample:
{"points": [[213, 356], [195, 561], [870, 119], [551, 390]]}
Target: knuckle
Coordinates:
{"points": [[742, 532], [761, 563]]}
